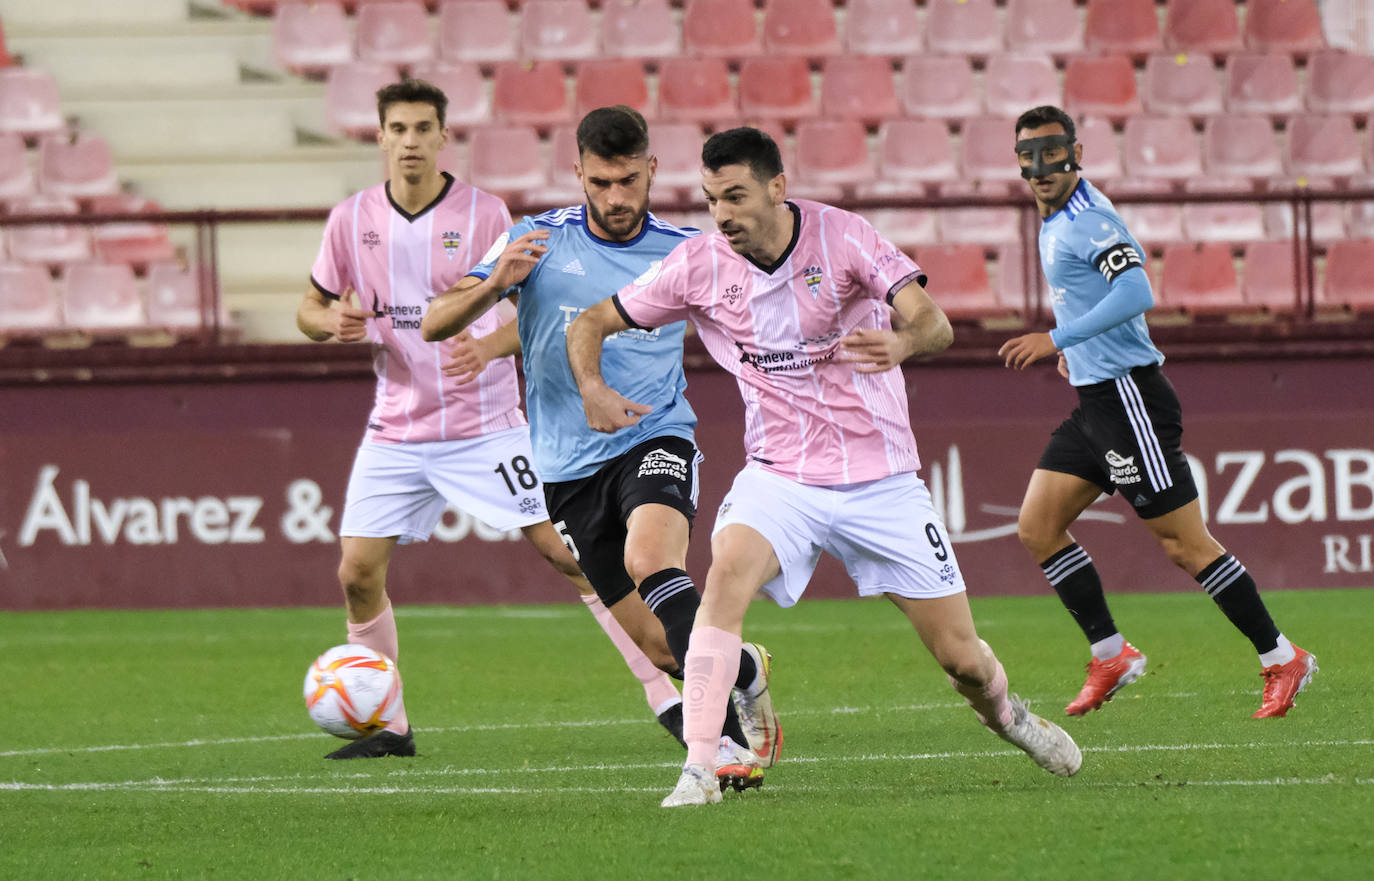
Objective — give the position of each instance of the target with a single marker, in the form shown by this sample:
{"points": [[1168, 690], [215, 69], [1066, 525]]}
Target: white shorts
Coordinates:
{"points": [[886, 533], [402, 489]]}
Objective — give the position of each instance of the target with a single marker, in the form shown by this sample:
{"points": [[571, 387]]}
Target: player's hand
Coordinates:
{"points": [[468, 357], [1063, 366], [519, 258], [1020, 352], [608, 411], [349, 323], [873, 351]]}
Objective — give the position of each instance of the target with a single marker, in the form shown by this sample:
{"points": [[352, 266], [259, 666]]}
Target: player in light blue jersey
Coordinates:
{"points": [[1125, 436], [624, 502]]}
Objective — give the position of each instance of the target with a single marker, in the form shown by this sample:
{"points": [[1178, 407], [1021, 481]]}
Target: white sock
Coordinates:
{"points": [[1106, 649], [1280, 654]]}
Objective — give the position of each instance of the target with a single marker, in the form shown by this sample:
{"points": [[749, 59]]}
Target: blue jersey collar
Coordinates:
{"points": [[596, 239], [1079, 200]]}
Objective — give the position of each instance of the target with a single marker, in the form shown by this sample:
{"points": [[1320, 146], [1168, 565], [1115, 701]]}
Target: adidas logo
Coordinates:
{"points": [[1140, 500], [671, 490], [575, 268]]}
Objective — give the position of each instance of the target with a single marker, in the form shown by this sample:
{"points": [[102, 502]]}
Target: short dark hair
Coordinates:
{"points": [[1046, 114], [610, 132], [743, 146], [411, 91]]}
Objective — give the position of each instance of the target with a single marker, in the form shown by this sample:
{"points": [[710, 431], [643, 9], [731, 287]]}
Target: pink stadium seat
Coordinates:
{"points": [[913, 153], [173, 297], [639, 29], [939, 86], [966, 27], [678, 148], [136, 243], [1222, 221], [775, 88], [696, 90], [28, 302], [1154, 225], [1201, 279], [1102, 86], [604, 82], [986, 152], [563, 187], [1209, 26], [1051, 26], [1340, 82], [800, 27], [78, 164], [462, 83], [477, 30], [1350, 274], [958, 281], [1284, 26], [1323, 146], [29, 102], [882, 27], [101, 298], [1125, 26], [833, 152], [1236, 145], [350, 96], [1181, 83], [859, 87], [1328, 218], [720, 28], [394, 33], [16, 179], [559, 30], [1161, 147], [531, 94], [1101, 155], [977, 225], [1268, 277], [907, 228], [506, 160], [1258, 83], [1019, 285], [1360, 222], [310, 38], [51, 244], [1014, 82]]}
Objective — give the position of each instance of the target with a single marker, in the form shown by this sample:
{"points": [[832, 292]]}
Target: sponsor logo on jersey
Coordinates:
{"points": [[451, 242], [775, 361], [371, 239], [812, 276], [1123, 469], [661, 463]]}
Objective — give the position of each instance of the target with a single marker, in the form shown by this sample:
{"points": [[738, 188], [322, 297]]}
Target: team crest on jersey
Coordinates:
{"points": [[812, 276], [371, 239], [451, 242]]}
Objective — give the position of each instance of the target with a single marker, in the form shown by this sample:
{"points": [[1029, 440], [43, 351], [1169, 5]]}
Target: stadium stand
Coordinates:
{"points": [[394, 33], [1181, 83], [1101, 86], [889, 28], [16, 178], [639, 29], [1323, 145], [102, 299], [76, 164], [480, 31], [28, 302], [532, 94], [1129, 27], [1205, 26], [1262, 83], [349, 96], [607, 81], [912, 154], [1044, 26], [776, 88], [721, 28], [1340, 82], [469, 104], [1161, 147], [51, 245], [1014, 81], [557, 30], [859, 87], [29, 102], [939, 87], [507, 160], [1200, 278], [1292, 26], [833, 153], [965, 27], [696, 90], [800, 27], [311, 38], [1235, 145], [1270, 281]]}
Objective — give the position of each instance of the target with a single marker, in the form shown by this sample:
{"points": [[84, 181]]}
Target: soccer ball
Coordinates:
{"points": [[352, 691]]}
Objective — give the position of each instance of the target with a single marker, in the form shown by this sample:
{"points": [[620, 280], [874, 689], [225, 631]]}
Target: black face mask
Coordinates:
{"points": [[1037, 147]]}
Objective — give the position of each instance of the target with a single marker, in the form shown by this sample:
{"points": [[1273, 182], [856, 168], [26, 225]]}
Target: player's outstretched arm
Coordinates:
{"points": [[462, 304], [925, 330], [472, 354], [319, 319], [607, 410]]}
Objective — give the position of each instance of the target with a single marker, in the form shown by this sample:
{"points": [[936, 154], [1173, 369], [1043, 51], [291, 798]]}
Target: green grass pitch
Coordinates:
{"points": [[175, 745]]}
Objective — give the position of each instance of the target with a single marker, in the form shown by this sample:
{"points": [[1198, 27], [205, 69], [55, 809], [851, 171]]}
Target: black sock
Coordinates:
{"points": [[671, 595], [1074, 577], [1232, 588]]}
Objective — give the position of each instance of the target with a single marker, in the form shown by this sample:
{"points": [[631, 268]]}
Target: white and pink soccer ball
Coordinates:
{"points": [[352, 691]]}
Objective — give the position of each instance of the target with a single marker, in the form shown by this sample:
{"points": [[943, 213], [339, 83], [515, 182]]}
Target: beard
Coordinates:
{"points": [[618, 226]]}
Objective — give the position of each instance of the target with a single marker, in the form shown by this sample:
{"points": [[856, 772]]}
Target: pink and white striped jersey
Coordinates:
{"points": [[809, 415], [396, 263]]}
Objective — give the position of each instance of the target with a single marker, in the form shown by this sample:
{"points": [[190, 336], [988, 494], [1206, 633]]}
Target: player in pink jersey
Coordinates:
{"points": [[792, 298], [431, 442]]}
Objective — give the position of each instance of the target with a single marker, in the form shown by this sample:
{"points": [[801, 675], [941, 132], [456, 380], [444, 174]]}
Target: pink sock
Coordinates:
{"points": [[659, 689], [379, 634], [989, 702], [711, 668]]}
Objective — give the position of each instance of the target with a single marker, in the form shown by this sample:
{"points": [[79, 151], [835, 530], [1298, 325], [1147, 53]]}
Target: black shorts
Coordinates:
{"points": [[591, 512], [1126, 436]]}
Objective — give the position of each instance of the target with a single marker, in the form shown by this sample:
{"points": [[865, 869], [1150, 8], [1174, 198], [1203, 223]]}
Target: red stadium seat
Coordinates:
{"points": [[394, 33], [1181, 84], [1126, 26], [5, 58], [1012, 83], [639, 29], [775, 88], [462, 83], [939, 86], [1340, 82], [173, 298], [1258, 83], [1350, 274], [77, 165], [1210, 26], [100, 298], [1283, 26], [859, 87], [1101, 87], [136, 243], [28, 301], [310, 38], [913, 153], [477, 30], [557, 30], [1268, 277], [531, 94], [506, 160], [1051, 26], [1222, 221], [29, 102], [720, 28], [350, 96], [965, 27], [1201, 279], [605, 82], [800, 27], [958, 281], [16, 179], [882, 27], [1101, 155], [678, 148], [1241, 146], [1323, 146], [986, 150], [696, 90], [833, 153], [1161, 147], [53, 244]]}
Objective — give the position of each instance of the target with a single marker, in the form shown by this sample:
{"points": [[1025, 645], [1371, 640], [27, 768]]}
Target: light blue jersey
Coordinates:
{"points": [[578, 271], [1098, 288]]}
